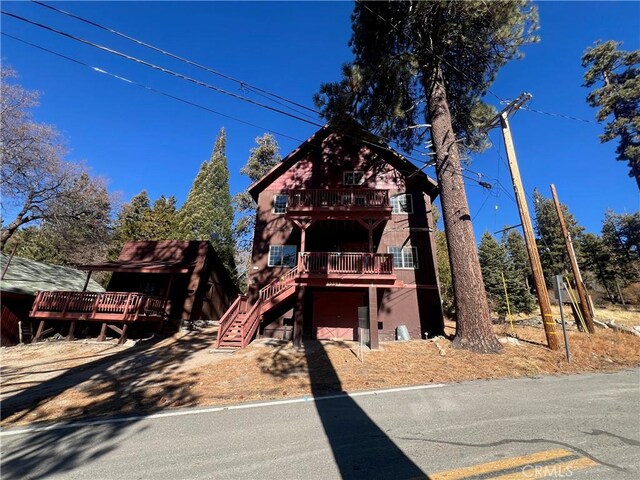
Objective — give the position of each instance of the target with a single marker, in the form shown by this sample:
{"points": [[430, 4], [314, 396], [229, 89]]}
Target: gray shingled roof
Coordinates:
{"points": [[29, 277]]}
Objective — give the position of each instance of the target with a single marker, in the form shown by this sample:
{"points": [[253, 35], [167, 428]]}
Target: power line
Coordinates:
{"points": [[560, 115], [243, 84], [151, 89], [161, 69]]}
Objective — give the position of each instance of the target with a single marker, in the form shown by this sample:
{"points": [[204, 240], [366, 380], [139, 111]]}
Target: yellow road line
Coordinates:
{"points": [[556, 470], [547, 458]]}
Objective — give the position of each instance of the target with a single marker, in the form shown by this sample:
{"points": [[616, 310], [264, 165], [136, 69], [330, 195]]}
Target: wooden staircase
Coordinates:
{"points": [[240, 322]]}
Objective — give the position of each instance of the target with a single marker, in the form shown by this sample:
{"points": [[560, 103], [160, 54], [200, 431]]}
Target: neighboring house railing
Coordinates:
{"points": [[117, 306], [345, 263], [332, 198]]}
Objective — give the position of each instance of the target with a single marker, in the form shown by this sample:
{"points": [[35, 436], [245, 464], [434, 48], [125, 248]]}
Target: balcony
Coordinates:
{"points": [[369, 267], [99, 307], [339, 203]]}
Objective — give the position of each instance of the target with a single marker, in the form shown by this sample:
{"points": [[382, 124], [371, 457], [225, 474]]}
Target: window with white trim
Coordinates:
{"points": [[353, 178], [280, 203], [406, 257], [282, 256], [402, 203]]}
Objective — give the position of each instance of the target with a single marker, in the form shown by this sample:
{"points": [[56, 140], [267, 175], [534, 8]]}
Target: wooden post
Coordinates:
{"points": [[38, 332], [86, 283], [103, 332], [536, 267], [298, 317], [582, 294], [72, 327], [373, 318]]}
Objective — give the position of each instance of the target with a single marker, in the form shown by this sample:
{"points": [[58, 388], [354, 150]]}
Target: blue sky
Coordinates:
{"points": [[141, 140]]}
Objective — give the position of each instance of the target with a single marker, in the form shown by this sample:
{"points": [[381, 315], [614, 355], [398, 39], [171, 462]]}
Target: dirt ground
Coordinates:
{"points": [[68, 380]]}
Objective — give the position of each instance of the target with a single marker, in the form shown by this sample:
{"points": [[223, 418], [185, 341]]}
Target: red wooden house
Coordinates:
{"points": [[152, 281], [343, 246]]}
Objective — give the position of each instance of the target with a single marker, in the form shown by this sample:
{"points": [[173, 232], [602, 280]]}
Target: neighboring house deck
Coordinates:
{"points": [[343, 246], [19, 287], [151, 282]]}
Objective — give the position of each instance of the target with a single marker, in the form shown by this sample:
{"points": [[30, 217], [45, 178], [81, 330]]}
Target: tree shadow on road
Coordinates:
{"points": [[140, 380], [361, 449]]}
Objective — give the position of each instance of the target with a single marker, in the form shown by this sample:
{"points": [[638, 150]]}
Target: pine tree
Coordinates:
{"points": [[551, 246], [208, 213], [262, 158], [517, 251], [621, 235], [496, 262], [598, 258], [617, 74], [161, 221], [431, 62]]}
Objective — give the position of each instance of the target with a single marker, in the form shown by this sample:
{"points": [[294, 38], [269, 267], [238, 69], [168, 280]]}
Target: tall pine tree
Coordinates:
{"points": [[208, 213], [431, 62], [616, 74]]}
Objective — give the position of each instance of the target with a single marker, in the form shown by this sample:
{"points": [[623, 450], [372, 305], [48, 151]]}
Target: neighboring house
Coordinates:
{"points": [[343, 246], [21, 283], [152, 281]]}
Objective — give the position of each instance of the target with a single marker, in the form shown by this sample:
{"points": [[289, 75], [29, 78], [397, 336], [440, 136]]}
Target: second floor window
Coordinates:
{"points": [[402, 203], [280, 203], [406, 257], [282, 256], [353, 178]]}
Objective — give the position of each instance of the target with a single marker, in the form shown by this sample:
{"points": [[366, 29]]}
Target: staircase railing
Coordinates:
{"points": [[227, 319], [279, 284], [250, 323]]}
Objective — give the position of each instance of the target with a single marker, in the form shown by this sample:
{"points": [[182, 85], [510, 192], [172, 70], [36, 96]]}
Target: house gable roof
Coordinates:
{"points": [[27, 277], [372, 142]]}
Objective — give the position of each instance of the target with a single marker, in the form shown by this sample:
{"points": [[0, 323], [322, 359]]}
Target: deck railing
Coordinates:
{"points": [[126, 306], [337, 198], [345, 263]]}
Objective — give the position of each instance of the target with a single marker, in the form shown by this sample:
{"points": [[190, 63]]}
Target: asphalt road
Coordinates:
{"points": [[581, 426]]}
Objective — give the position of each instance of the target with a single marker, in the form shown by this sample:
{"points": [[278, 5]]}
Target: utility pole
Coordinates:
{"points": [[582, 293], [536, 267]]}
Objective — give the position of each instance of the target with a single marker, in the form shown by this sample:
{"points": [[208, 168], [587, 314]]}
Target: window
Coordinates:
{"points": [[280, 203], [282, 256], [353, 178], [406, 257], [402, 203]]}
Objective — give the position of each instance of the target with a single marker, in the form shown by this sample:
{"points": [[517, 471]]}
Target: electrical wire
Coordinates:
{"points": [[242, 83], [560, 115], [151, 89], [161, 69]]}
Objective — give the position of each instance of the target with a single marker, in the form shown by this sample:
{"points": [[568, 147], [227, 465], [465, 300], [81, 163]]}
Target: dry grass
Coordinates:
{"points": [[173, 374]]}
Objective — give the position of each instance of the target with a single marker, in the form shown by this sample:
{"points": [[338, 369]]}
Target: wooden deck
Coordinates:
{"points": [[100, 307], [107, 308], [329, 203]]}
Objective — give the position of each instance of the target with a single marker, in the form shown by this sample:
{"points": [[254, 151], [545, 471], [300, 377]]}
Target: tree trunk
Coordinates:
{"points": [[474, 329], [10, 229]]}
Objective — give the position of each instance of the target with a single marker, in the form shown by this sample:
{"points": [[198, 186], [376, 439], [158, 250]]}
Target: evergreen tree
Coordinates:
{"points": [[517, 251], [551, 246], [208, 213], [616, 73], [129, 223], [161, 221], [495, 262], [431, 62], [262, 158], [621, 235], [598, 259]]}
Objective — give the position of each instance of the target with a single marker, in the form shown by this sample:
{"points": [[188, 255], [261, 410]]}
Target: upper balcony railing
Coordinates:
{"points": [[326, 263], [338, 199]]}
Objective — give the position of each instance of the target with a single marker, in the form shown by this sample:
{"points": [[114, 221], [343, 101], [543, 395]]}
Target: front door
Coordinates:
{"points": [[335, 314]]}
